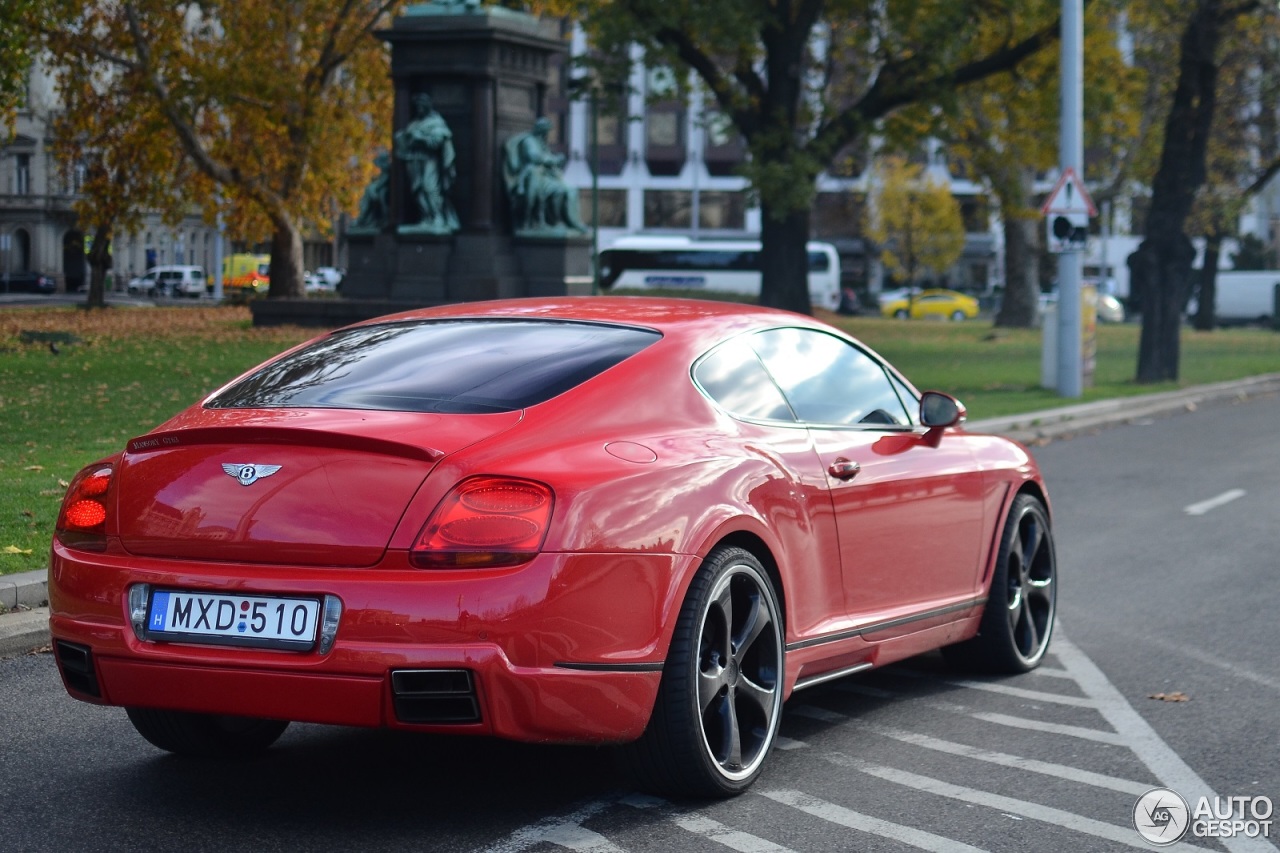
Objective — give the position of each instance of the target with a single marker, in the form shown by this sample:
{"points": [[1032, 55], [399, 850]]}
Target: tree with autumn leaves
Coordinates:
{"points": [[803, 81], [268, 113], [916, 221]]}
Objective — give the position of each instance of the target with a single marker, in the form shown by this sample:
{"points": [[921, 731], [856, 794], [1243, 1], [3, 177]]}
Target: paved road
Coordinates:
{"points": [[1165, 540]]}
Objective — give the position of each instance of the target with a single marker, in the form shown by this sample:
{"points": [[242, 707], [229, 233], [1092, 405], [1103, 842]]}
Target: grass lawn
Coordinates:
{"points": [[119, 373]]}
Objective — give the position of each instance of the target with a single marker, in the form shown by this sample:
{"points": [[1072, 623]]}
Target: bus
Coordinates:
{"points": [[731, 266]]}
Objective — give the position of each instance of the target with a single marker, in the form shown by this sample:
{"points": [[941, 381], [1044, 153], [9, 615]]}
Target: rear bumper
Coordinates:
{"points": [[566, 649]]}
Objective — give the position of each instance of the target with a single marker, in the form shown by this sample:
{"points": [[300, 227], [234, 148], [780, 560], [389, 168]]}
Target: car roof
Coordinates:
{"points": [[680, 317]]}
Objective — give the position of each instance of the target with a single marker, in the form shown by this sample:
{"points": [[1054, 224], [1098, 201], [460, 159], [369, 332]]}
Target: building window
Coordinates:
{"points": [[613, 208], [663, 129], [840, 214], [974, 211], [668, 209], [722, 210], [674, 209], [720, 130], [608, 129], [22, 174]]}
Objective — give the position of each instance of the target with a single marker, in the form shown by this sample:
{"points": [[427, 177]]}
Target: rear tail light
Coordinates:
{"points": [[485, 522], [82, 522]]}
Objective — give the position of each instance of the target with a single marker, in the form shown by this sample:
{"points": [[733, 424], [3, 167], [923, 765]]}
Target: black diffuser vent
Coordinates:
{"points": [[440, 696]]}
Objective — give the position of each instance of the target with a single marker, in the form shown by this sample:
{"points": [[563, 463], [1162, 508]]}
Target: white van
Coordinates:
{"points": [[171, 280], [1243, 297]]}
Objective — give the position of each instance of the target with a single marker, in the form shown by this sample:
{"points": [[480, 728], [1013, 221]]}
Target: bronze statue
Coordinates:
{"points": [[374, 212], [425, 145], [540, 200]]}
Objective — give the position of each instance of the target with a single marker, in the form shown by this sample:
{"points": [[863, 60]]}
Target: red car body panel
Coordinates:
{"points": [[648, 476]]}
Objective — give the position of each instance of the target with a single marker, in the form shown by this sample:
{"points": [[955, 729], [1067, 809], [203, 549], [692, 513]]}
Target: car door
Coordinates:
{"points": [[908, 501]]}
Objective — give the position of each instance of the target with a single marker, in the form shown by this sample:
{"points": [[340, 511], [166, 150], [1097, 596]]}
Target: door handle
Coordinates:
{"points": [[844, 469]]}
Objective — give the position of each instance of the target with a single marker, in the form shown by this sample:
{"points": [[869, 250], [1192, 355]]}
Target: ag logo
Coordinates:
{"points": [[248, 474], [1161, 816]]}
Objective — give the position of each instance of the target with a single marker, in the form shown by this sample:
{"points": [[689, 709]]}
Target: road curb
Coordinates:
{"points": [[24, 614], [24, 618], [1045, 426], [22, 631]]}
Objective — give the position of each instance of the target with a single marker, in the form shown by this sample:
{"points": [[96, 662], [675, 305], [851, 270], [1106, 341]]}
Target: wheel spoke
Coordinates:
{"points": [[722, 608], [758, 695], [1040, 591], [757, 621], [732, 734], [710, 686], [1031, 536], [1029, 635]]}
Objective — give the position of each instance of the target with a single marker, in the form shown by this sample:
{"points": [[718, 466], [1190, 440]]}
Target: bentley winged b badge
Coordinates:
{"points": [[250, 473]]}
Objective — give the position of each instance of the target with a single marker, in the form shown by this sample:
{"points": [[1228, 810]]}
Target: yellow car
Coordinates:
{"points": [[931, 304]]}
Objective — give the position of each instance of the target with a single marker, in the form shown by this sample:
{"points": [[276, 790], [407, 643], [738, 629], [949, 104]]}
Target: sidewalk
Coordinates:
{"points": [[24, 614]]}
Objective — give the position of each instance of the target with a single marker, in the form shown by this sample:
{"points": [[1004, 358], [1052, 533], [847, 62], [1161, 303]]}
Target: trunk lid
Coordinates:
{"points": [[298, 487]]}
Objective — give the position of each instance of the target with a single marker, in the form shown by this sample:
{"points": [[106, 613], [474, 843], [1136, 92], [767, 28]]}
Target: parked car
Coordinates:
{"points": [[1110, 309], [933, 303], [171, 280], [332, 276], [27, 282], [631, 521], [315, 283]]}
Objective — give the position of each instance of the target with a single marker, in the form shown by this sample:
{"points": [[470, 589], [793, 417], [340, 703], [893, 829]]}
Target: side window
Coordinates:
{"points": [[827, 380], [733, 376], [908, 398]]}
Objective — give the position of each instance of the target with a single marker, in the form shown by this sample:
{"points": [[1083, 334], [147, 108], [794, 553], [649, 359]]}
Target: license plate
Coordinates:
{"points": [[233, 620]]}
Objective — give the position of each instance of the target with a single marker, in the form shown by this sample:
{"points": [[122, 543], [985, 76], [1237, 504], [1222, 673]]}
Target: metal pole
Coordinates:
{"points": [[1071, 156], [217, 255], [595, 192]]}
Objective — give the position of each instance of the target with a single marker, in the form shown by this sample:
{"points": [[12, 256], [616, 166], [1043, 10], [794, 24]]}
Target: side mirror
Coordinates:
{"points": [[939, 411]]}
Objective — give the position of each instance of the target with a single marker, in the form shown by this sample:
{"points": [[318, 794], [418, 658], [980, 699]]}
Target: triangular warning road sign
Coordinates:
{"points": [[1069, 196]]}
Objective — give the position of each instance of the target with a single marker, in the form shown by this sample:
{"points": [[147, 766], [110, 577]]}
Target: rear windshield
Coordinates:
{"points": [[454, 366]]}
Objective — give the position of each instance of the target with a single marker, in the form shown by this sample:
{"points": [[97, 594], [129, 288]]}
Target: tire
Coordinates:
{"points": [[205, 735], [1017, 622], [957, 316], [900, 314], [720, 702]]}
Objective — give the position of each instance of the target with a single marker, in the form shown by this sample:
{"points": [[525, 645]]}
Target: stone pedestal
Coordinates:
{"points": [[555, 266], [487, 71]]}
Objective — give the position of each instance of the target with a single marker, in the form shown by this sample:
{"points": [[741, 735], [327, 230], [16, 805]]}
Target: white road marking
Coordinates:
{"points": [[1023, 693], [1060, 771], [712, 830], [842, 816], [1018, 762], [563, 830], [785, 743], [1058, 817], [1213, 503], [1165, 764]]}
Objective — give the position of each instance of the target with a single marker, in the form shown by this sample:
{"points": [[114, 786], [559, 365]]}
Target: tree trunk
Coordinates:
{"points": [[99, 262], [1020, 306], [1160, 271], [286, 261], [1208, 290], [1161, 268], [784, 261]]}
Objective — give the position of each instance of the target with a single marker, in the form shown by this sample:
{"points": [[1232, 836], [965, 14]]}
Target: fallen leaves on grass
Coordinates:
{"points": [[14, 549]]}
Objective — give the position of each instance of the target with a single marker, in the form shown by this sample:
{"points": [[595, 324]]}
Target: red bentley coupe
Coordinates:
{"points": [[632, 521]]}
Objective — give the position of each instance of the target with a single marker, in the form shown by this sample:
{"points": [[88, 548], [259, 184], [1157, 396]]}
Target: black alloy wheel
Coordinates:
{"points": [[720, 702], [1017, 622]]}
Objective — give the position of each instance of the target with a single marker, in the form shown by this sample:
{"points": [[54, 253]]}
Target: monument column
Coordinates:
{"points": [[482, 128]]}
